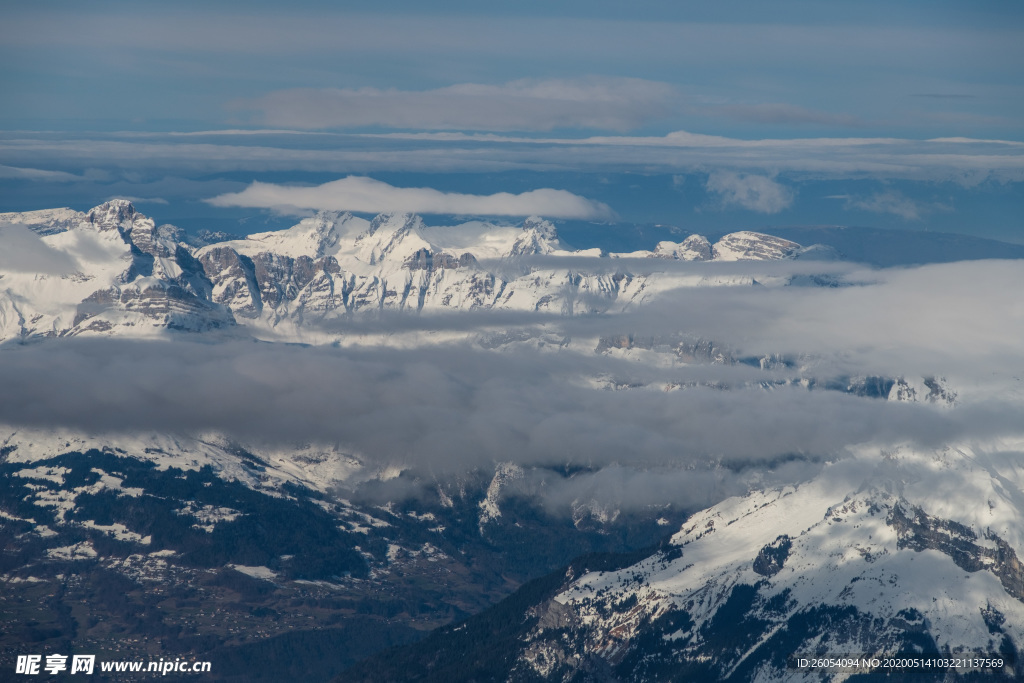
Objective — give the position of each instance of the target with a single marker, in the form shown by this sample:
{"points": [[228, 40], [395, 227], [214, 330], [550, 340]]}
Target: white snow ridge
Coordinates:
{"points": [[134, 278]]}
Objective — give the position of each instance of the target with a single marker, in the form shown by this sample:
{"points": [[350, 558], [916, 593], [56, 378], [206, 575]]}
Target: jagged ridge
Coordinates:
{"points": [[136, 278]]}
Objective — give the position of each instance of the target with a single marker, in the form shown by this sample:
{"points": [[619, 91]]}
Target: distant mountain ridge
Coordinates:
{"points": [[136, 278]]}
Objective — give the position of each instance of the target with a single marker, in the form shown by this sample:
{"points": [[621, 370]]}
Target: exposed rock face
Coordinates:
{"points": [[686, 348], [236, 286], [925, 389], [746, 245], [117, 214], [771, 558], [693, 248], [919, 531], [169, 306], [424, 259]]}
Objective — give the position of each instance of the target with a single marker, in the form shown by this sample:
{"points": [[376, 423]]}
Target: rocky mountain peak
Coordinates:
{"points": [[693, 248], [395, 222], [542, 227], [114, 214], [753, 246], [539, 237], [326, 232]]}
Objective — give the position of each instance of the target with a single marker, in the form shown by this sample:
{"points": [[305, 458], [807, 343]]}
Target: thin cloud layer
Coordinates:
{"points": [[732, 52], [891, 202], [24, 252], [966, 162], [754, 192], [524, 105], [445, 410], [373, 196], [37, 175], [782, 113], [964, 319]]}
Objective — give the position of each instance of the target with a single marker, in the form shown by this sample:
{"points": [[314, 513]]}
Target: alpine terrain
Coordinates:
{"points": [[356, 526]]}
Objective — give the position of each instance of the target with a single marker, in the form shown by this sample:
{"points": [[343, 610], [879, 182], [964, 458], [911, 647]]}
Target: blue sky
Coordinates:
{"points": [[736, 115]]}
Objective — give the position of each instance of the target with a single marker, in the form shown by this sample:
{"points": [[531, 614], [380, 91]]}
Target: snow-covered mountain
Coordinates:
{"points": [[177, 546], [134, 278], [130, 277], [335, 264], [899, 551], [893, 551]]}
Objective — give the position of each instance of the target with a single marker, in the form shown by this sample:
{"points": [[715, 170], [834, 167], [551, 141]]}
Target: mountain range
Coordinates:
{"points": [[131, 277], [309, 560]]}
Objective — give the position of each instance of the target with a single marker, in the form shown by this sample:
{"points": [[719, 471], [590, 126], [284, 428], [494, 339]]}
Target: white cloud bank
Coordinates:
{"points": [[524, 105], [782, 113], [24, 252], [38, 175], [367, 195], [755, 192]]}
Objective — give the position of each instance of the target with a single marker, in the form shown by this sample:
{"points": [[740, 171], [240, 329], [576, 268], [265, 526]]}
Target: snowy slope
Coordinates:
{"points": [[317, 466], [886, 552]]}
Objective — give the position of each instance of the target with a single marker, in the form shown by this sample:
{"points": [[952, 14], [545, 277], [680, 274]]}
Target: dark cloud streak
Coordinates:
{"points": [[443, 409]]}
